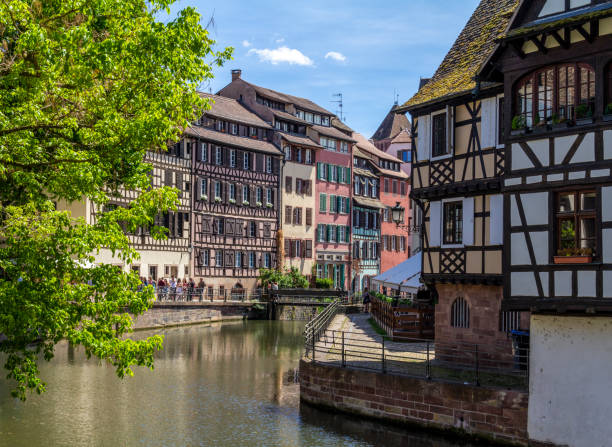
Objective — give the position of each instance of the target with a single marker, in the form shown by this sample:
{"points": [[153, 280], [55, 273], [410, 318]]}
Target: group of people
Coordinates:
{"points": [[173, 285]]}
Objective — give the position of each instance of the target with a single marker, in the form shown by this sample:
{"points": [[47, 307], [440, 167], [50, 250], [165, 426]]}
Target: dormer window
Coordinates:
{"points": [[253, 131], [552, 7], [554, 95], [234, 129], [325, 121]]}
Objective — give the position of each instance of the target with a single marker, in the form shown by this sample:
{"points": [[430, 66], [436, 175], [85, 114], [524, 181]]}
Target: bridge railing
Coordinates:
{"points": [[187, 294], [317, 327]]}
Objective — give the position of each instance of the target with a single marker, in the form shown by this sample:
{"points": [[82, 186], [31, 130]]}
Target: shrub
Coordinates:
{"points": [[324, 283]]}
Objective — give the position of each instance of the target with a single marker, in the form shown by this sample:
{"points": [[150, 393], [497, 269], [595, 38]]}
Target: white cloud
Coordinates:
{"points": [[280, 40], [246, 43], [336, 56], [282, 55]]}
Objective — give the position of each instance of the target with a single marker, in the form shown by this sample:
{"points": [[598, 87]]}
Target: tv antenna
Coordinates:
{"points": [[340, 109], [395, 97]]}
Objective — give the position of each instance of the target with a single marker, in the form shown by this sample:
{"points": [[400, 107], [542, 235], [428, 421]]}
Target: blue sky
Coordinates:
{"points": [[365, 50]]}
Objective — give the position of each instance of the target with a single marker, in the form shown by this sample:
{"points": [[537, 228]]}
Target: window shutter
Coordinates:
{"points": [[319, 170], [423, 138], [496, 221], [329, 173], [267, 230], [239, 159], [288, 211], [323, 204], [488, 123], [275, 166], [288, 248], [260, 162], [338, 234], [450, 129], [308, 244], [468, 221], [198, 189], [435, 223], [309, 188], [308, 216], [288, 184]]}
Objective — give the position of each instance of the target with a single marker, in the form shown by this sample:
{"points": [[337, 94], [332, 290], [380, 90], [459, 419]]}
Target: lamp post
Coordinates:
{"points": [[397, 216]]}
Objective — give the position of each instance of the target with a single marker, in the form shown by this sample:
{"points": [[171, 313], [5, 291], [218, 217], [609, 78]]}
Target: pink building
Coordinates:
{"points": [[333, 205]]}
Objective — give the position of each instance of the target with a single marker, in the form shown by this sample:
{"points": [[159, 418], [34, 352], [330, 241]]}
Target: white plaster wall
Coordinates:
{"points": [[518, 249], [536, 208], [607, 137], [151, 257], [520, 159], [586, 150], [607, 245], [587, 286], [541, 150], [569, 389], [539, 241], [562, 147], [606, 200], [563, 284]]}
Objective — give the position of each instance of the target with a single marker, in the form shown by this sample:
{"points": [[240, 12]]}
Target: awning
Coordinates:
{"points": [[404, 277], [368, 202]]}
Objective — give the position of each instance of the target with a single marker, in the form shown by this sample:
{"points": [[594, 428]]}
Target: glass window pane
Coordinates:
{"points": [[588, 201], [568, 234], [567, 203], [588, 236]]}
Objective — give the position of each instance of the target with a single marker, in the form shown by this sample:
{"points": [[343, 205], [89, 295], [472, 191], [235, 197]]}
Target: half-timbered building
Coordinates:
{"points": [[555, 61], [158, 258], [236, 174], [457, 163]]}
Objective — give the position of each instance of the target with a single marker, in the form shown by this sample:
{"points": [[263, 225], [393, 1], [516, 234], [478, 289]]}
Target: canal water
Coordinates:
{"points": [[218, 385]]}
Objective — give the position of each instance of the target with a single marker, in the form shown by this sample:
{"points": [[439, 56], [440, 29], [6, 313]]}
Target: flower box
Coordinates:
{"points": [[573, 259]]}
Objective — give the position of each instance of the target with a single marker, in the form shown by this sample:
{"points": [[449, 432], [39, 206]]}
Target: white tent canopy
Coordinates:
{"points": [[404, 277]]}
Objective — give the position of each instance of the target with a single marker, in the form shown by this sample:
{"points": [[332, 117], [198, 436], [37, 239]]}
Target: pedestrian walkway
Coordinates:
{"points": [[350, 340]]}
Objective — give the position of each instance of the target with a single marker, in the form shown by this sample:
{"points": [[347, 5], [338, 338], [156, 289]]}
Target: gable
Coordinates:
{"points": [[558, 6]]}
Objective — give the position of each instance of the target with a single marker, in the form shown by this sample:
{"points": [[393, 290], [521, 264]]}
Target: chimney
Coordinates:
{"points": [[236, 74]]}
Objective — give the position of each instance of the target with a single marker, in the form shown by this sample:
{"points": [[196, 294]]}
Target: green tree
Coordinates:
{"points": [[86, 88]]}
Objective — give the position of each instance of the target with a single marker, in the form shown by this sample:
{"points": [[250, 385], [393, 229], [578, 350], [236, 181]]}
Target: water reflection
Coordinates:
{"points": [[219, 385]]}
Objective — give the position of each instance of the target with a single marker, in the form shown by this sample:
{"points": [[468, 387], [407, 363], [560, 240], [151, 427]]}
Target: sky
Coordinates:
{"points": [[369, 51]]}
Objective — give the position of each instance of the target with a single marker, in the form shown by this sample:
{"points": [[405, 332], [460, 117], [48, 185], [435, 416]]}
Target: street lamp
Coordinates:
{"points": [[397, 216]]}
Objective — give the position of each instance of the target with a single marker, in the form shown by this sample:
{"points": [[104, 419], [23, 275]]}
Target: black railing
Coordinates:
{"points": [[457, 362], [317, 327], [188, 294]]}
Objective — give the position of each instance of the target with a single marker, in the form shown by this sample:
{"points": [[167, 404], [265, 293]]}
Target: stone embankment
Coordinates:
{"points": [[494, 414], [188, 313]]}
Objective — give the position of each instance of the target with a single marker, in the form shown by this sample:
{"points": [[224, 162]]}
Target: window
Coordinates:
{"points": [[267, 260], [325, 121], [204, 187], [453, 223], [232, 192], [509, 321], [234, 128], [205, 258], [245, 195], [238, 259], [460, 313], [288, 214], [577, 223], [288, 184], [323, 203], [259, 195], [218, 156], [204, 152], [344, 147], [554, 95], [218, 225], [308, 156], [251, 260], [253, 131], [219, 258], [386, 215], [269, 199], [232, 158], [439, 135], [218, 191], [403, 188], [298, 155], [252, 229], [402, 244], [321, 233], [288, 153], [246, 161], [268, 164], [298, 186], [394, 186], [386, 185]]}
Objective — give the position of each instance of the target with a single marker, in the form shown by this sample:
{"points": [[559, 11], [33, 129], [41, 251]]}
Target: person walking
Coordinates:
{"points": [[366, 300]]}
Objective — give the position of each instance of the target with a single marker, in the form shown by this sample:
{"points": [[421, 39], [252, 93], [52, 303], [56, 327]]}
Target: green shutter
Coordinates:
{"points": [[329, 173], [339, 205], [347, 235], [348, 176], [338, 234], [319, 170], [323, 203], [341, 285]]}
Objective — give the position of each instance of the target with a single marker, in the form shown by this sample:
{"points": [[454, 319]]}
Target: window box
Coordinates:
{"points": [[573, 259]]}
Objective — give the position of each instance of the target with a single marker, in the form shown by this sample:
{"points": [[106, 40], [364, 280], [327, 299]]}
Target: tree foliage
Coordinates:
{"points": [[86, 88], [289, 279]]}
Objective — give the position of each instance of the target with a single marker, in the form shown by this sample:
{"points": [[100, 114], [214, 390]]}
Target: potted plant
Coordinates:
{"points": [[518, 125], [217, 199], [245, 202], [269, 205], [204, 197], [584, 114], [574, 256], [258, 203], [232, 201]]}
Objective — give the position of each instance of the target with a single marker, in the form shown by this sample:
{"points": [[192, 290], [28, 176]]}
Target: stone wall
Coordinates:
{"points": [[297, 313], [469, 410], [162, 315]]}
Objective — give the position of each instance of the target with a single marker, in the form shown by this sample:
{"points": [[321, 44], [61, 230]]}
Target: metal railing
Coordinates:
{"points": [[317, 327], [187, 294], [453, 362]]}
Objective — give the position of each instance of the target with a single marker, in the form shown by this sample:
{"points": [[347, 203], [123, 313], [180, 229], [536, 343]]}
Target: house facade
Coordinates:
{"points": [[457, 164], [315, 178], [236, 203], [555, 61], [158, 258]]}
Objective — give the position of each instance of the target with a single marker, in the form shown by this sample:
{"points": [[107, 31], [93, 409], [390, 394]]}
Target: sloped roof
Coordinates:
{"points": [[391, 126], [301, 103], [300, 141], [232, 140], [232, 110], [369, 148], [368, 202], [289, 117], [332, 132], [340, 125], [403, 137], [475, 44]]}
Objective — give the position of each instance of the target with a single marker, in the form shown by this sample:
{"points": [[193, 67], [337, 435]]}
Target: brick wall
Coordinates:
{"points": [[485, 306], [483, 412]]}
